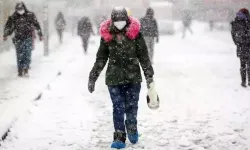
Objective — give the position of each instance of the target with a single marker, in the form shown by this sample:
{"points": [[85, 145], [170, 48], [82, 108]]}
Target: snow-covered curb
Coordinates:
{"points": [[45, 71], [17, 108], [5, 126]]}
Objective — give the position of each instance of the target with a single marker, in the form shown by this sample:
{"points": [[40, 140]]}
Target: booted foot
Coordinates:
{"points": [[26, 72], [119, 140], [118, 145], [20, 74], [131, 127], [133, 138], [243, 84]]}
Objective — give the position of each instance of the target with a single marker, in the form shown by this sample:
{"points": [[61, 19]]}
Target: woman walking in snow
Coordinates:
{"points": [[124, 46], [241, 37]]}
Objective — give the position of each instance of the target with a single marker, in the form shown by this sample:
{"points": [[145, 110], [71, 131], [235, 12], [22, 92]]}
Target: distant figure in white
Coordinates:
{"points": [[84, 30], [187, 21], [149, 29], [60, 25]]}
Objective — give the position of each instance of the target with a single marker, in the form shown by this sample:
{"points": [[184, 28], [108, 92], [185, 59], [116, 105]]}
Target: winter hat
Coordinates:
{"points": [[150, 12], [119, 14], [244, 11], [20, 6]]}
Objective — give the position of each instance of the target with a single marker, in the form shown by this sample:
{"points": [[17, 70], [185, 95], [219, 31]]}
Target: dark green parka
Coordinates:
{"points": [[126, 51]]}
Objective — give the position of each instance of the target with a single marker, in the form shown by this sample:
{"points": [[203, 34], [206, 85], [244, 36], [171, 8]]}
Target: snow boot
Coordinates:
{"points": [[243, 85], [26, 72], [133, 135], [243, 73], [20, 72], [119, 140]]}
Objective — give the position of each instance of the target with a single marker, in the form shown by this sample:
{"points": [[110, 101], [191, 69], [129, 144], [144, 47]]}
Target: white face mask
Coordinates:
{"points": [[120, 24], [21, 12]]}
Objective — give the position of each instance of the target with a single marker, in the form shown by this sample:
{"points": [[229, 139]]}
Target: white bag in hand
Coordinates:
{"points": [[152, 97]]}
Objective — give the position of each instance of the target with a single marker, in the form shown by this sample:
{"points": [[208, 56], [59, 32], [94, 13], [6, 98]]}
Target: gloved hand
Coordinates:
{"points": [[149, 81], [91, 86]]}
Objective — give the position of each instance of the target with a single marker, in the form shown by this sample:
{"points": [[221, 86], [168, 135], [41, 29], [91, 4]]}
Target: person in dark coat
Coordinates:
{"points": [[241, 37], [22, 23], [60, 25], [211, 25], [84, 30], [123, 45], [187, 21], [149, 29]]}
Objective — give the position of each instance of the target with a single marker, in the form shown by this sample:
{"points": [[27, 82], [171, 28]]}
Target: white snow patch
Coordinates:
{"points": [[202, 103]]}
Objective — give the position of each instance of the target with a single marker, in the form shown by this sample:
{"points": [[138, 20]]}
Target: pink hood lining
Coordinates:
{"points": [[132, 31]]}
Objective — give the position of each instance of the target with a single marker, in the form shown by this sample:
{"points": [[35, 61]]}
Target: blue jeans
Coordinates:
{"points": [[23, 53], [125, 101]]}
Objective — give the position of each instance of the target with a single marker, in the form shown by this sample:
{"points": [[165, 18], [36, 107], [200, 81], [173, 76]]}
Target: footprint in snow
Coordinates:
{"points": [[238, 130]]}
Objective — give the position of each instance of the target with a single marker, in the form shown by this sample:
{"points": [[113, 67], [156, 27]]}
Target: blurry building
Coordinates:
{"points": [[164, 15], [220, 10], [223, 10], [137, 7]]}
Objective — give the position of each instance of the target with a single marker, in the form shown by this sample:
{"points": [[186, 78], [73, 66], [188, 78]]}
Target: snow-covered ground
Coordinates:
{"points": [[16, 92], [202, 103]]}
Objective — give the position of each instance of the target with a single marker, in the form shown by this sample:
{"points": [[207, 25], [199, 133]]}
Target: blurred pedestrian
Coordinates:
{"points": [[149, 29], [187, 21], [84, 30], [241, 37], [211, 25], [22, 23], [60, 25]]}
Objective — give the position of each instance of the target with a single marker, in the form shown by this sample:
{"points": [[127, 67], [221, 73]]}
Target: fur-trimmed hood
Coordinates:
{"points": [[22, 4], [132, 30]]}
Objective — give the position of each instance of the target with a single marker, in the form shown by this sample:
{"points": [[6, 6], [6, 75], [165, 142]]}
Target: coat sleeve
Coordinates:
{"points": [[101, 60], [64, 22], [91, 28], [79, 28], [142, 25], [36, 25], [233, 33], [156, 29], [9, 27], [143, 57]]}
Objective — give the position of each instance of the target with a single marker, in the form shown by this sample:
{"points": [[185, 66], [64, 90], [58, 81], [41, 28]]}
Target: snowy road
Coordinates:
{"points": [[202, 103]]}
